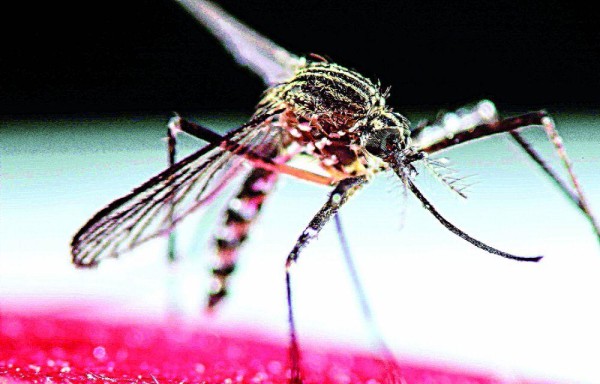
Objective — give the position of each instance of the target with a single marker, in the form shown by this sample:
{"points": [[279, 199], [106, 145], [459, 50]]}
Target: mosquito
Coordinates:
{"points": [[312, 108]]}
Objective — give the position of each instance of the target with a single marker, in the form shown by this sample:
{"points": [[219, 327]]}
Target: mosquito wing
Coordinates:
{"points": [[271, 62], [155, 207]]}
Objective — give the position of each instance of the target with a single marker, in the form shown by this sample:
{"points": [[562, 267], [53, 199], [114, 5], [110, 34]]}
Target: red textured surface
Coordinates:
{"points": [[51, 349]]}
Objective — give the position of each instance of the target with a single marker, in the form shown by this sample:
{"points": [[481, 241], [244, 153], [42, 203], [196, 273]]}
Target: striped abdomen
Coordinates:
{"points": [[239, 215]]}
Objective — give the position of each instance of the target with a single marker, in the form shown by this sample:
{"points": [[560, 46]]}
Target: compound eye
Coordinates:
{"points": [[379, 142]]}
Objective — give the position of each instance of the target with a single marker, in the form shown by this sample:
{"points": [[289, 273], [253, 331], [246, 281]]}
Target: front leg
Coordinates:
{"points": [[337, 198], [482, 121]]}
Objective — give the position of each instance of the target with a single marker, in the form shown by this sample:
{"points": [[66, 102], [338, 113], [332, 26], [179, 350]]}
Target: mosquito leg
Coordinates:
{"points": [[576, 197], [438, 140], [172, 153], [438, 137], [576, 194], [258, 161], [545, 167], [364, 304], [179, 124], [441, 139], [171, 240], [337, 198], [382, 347], [553, 135]]}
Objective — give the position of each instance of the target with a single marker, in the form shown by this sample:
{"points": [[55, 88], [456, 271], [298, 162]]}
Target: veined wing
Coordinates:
{"points": [[271, 62], [155, 207]]}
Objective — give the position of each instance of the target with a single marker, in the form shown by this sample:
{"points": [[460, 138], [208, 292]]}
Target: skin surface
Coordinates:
{"points": [[47, 347]]}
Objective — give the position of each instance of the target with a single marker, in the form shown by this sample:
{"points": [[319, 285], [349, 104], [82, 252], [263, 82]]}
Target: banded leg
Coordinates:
{"points": [[576, 196], [433, 139], [239, 216], [337, 198]]}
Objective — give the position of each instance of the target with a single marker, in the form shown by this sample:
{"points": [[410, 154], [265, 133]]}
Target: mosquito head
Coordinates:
{"points": [[387, 135]]}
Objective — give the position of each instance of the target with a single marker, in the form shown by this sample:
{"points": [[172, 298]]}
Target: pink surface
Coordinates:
{"points": [[48, 348]]}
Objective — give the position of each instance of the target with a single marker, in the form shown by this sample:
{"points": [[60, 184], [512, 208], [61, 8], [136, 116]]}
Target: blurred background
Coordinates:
{"points": [[87, 89], [112, 56]]}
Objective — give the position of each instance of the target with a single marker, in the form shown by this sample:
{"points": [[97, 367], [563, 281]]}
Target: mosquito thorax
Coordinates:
{"points": [[333, 113], [332, 93]]}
